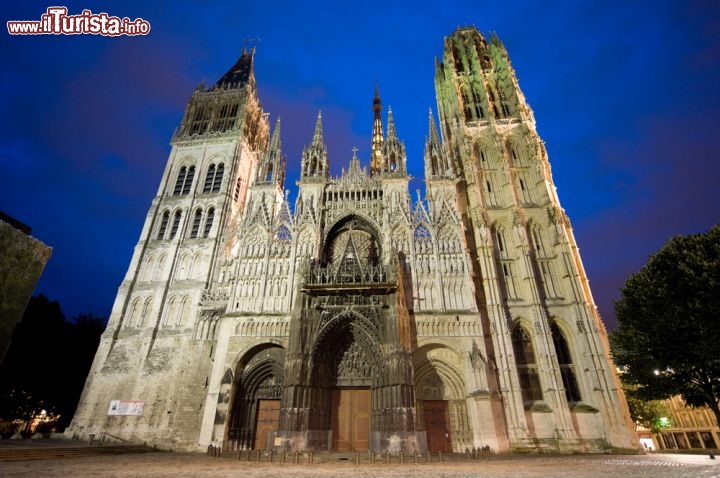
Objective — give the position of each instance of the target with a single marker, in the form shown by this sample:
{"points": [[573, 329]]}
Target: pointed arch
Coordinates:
{"points": [[187, 185], [160, 266], [184, 179], [440, 387], [197, 219], [486, 153], [132, 316], [539, 240], [184, 312], [170, 311], [217, 179], [209, 177], [146, 311], [180, 179], [501, 241], [565, 361], [257, 378], [353, 226], [209, 221], [149, 268], [164, 220], [176, 223], [517, 151], [196, 268], [183, 266], [438, 360], [526, 364]]}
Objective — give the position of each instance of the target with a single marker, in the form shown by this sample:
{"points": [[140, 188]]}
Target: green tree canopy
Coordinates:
{"points": [[651, 414], [668, 336]]}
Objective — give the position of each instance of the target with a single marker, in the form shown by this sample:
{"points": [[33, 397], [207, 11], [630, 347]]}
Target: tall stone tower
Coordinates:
{"points": [[542, 332], [358, 319], [150, 368]]}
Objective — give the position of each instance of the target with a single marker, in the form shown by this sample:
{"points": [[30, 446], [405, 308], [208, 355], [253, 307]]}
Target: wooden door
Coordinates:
{"points": [[437, 425], [350, 419], [268, 420]]}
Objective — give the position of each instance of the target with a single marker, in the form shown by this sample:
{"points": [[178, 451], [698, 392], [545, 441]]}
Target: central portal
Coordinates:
{"points": [[350, 419], [348, 372]]}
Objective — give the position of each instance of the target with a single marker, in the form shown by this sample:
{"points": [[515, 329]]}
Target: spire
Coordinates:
{"points": [[391, 125], [318, 135], [275, 140], [314, 157], [241, 72], [271, 169], [436, 164], [434, 138], [377, 135], [392, 157]]}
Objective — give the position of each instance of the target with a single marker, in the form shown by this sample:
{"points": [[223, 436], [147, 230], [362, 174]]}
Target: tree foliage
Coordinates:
{"points": [[668, 337], [651, 414], [47, 362]]}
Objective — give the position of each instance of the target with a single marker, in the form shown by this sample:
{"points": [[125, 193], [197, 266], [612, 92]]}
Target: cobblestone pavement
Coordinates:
{"points": [[180, 465]]}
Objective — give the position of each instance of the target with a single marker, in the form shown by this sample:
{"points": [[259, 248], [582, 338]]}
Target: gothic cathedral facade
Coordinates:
{"points": [[359, 319]]}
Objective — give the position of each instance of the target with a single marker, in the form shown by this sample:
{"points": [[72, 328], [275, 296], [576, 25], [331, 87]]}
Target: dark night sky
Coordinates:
{"points": [[625, 93]]}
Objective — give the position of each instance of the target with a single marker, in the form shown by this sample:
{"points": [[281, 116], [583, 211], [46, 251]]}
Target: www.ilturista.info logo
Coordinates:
{"points": [[57, 22]]}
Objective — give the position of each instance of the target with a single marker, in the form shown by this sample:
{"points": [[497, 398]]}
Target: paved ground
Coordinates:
{"points": [[180, 465]]}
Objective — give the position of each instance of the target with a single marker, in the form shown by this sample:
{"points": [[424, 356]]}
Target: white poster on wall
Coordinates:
{"points": [[126, 407]]}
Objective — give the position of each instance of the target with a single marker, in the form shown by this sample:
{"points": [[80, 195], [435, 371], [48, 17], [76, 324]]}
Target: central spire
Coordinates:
{"points": [[377, 135]]}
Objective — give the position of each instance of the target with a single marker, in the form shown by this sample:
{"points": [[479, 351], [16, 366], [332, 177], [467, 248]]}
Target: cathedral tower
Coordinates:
{"points": [[546, 339], [149, 354]]}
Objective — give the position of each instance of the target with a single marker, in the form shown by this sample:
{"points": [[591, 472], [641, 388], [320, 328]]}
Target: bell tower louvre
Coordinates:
{"points": [[359, 319]]}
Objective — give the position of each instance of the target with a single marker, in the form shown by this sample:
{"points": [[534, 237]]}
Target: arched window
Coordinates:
{"points": [[133, 315], [188, 180], [196, 224], [200, 120], [209, 222], [180, 181], [171, 311], [175, 225], [209, 179], [503, 102], [217, 180], [163, 225], [479, 113], [539, 241], [160, 266], [501, 243], [530, 388], [184, 312], [567, 368], [467, 106], [184, 181], [181, 272], [149, 268], [147, 308]]}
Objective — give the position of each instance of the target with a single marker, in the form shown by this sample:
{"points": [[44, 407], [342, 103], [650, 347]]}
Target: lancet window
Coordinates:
{"points": [[567, 368], [527, 368]]}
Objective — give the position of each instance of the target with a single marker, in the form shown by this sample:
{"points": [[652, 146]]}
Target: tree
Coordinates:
{"points": [[668, 337], [47, 362], [652, 414]]}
